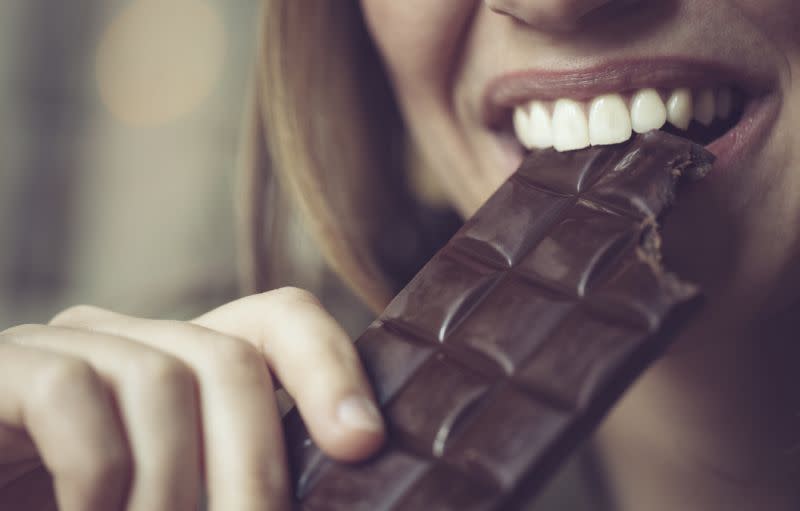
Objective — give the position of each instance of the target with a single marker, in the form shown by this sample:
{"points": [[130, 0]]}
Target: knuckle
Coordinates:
{"points": [[328, 350], [77, 314], [164, 372], [61, 386], [232, 351], [58, 377], [19, 332], [293, 295], [235, 359], [176, 328]]}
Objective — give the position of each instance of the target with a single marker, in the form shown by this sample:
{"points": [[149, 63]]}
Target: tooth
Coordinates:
{"points": [[724, 103], [648, 111], [704, 106], [680, 109], [522, 126], [541, 126], [609, 120], [570, 127]]}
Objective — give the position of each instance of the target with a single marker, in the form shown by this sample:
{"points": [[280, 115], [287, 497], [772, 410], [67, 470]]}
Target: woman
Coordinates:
{"points": [[137, 414]]}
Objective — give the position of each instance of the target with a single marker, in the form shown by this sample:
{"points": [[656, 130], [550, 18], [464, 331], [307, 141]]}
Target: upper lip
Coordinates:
{"points": [[505, 92]]}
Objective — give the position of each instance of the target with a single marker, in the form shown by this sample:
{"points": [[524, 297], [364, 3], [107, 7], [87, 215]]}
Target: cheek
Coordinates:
{"points": [[422, 44], [418, 39], [778, 19]]}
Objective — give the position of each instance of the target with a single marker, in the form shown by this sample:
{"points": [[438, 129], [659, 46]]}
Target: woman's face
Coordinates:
{"points": [[460, 68]]}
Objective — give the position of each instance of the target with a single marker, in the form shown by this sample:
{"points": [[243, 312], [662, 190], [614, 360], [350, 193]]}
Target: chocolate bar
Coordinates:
{"points": [[506, 350]]}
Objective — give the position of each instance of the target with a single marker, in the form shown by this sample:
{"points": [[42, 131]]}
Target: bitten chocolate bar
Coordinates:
{"points": [[509, 346]]}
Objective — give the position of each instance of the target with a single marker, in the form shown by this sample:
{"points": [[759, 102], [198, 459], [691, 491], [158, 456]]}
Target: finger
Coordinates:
{"points": [[156, 396], [316, 362], [242, 438], [69, 414]]}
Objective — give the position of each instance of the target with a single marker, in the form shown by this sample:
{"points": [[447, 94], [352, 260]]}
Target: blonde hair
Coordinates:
{"points": [[324, 128]]}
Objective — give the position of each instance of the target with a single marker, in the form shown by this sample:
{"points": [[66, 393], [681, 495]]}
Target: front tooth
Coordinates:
{"points": [[724, 103], [533, 126], [522, 126], [541, 126], [570, 127], [679, 108], [704, 107], [648, 111], [609, 120]]}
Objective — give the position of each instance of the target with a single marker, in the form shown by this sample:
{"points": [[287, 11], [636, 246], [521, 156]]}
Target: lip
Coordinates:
{"points": [[761, 110], [505, 92], [740, 141]]}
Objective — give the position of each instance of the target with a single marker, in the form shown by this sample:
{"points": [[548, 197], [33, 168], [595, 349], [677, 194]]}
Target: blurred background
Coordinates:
{"points": [[119, 126], [119, 130]]}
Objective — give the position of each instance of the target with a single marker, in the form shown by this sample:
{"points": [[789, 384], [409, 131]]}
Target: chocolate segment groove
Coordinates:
{"points": [[512, 343]]}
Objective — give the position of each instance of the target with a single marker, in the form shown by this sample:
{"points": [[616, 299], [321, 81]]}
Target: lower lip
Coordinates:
{"points": [[747, 136]]}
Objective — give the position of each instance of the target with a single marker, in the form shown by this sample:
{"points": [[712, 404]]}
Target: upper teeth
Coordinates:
{"points": [[566, 124]]}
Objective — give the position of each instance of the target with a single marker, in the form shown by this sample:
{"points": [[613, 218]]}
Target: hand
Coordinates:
{"points": [[126, 413]]}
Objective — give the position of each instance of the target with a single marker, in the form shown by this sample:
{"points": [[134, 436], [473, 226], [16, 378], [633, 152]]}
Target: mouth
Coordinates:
{"points": [[711, 105]]}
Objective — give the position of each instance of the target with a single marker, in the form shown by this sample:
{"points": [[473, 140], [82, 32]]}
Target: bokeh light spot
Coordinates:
{"points": [[160, 59]]}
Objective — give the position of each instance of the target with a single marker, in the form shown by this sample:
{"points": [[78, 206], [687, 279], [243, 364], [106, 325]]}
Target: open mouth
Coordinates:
{"points": [[700, 115], [727, 108]]}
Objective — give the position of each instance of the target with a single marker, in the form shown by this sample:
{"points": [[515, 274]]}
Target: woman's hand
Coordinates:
{"points": [[138, 415]]}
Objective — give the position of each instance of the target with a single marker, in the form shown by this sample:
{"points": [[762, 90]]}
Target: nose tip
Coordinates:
{"points": [[548, 14]]}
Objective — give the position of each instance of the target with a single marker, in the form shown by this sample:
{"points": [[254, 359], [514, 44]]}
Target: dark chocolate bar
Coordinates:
{"points": [[509, 346]]}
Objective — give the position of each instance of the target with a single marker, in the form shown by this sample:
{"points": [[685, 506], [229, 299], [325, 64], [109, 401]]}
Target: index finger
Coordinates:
{"points": [[316, 362]]}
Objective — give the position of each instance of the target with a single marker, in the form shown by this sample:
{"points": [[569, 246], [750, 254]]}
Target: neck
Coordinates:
{"points": [[714, 425]]}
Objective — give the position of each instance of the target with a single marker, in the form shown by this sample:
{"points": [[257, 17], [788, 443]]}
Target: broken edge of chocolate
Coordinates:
{"points": [[511, 344]]}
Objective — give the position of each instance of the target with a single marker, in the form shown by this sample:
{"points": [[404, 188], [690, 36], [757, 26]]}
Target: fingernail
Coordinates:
{"points": [[358, 412]]}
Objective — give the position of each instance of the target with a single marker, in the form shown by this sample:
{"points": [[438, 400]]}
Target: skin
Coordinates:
{"points": [[135, 414], [716, 423]]}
